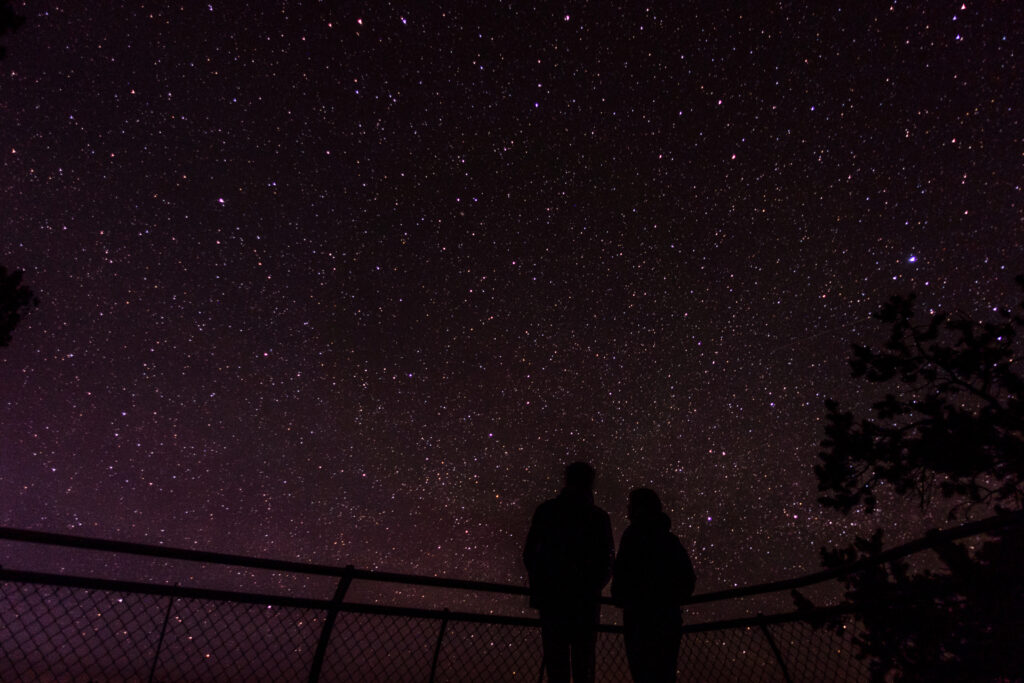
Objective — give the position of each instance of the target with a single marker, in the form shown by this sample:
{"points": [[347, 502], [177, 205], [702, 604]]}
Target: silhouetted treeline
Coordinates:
{"points": [[15, 300], [9, 21], [948, 432]]}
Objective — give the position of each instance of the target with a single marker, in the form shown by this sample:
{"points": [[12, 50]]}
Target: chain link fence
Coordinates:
{"points": [[68, 633], [55, 627]]}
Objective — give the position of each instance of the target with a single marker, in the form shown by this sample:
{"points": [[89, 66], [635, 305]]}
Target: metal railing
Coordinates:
{"points": [[54, 626]]}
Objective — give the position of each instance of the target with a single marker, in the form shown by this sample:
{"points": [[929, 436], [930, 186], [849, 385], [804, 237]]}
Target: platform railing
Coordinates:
{"points": [[60, 626]]}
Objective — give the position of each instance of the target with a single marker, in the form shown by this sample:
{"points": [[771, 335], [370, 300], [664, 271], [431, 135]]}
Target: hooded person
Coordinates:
{"points": [[652, 577]]}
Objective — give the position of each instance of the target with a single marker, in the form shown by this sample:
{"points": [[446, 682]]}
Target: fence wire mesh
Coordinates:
{"points": [[612, 666], [738, 654], [79, 630], [489, 652], [208, 640], [55, 633], [380, 648], [819, 654]]}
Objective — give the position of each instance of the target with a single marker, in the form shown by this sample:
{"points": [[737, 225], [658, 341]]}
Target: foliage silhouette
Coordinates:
{"points": [[9, 21], [948, 433], [15, 300]]}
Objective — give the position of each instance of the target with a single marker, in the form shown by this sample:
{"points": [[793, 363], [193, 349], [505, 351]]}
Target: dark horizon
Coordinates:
{"points": [[353, 287]]}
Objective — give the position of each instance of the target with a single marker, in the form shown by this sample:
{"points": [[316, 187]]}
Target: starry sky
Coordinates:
{"points": [[351, 283]]}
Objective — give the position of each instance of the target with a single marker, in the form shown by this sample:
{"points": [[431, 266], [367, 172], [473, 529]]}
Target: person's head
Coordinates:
{"points": [[643, 504], [579, 476]]}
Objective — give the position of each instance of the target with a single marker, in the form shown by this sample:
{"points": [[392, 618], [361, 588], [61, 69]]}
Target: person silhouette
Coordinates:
{"points": [[651, 578], [568, 555]]}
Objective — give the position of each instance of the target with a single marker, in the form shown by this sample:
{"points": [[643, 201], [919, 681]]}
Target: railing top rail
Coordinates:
{"points": [[65, 540], [208, 557], [929, 540]]}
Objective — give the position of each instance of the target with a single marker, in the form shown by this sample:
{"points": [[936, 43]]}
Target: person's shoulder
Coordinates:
{"points": [[678, 547], [546, 507]]}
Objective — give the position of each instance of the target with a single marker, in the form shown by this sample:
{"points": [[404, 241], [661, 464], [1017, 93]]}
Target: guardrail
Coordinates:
{"points": [[78, 628]]}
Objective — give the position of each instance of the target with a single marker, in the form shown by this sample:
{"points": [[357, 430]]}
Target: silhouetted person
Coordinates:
{"points": [[653, 575], [568, 556]]}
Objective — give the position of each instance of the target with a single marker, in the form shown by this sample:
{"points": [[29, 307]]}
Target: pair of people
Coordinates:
{"points": [[570, 556]]}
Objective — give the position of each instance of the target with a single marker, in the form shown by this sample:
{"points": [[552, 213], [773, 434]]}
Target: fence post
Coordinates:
{"points": [[775, 650], [160, 642], [332, 614], [437, 648]]}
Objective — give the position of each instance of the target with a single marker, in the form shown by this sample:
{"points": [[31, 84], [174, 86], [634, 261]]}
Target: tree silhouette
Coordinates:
{"points": [[15, 300], [956, 427], [948, 433], [9, 21]]}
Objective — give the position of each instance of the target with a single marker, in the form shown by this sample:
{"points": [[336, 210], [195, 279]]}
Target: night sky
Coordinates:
{"points": [[351, 283]]}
